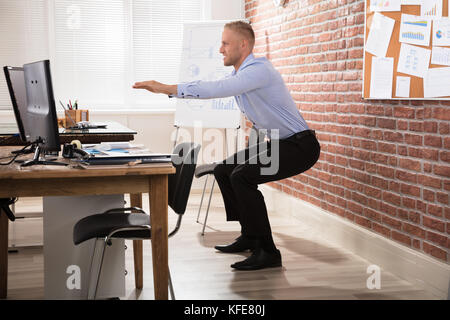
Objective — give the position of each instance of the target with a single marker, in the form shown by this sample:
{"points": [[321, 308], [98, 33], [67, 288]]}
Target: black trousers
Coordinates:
{"points": [[238, 177]]}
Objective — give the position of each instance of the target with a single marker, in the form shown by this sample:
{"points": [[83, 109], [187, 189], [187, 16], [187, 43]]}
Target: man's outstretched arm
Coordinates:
{"points": [[156, 87]]}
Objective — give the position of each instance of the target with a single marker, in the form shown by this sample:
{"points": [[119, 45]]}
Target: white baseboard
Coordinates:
{"points": [[406, 263]]}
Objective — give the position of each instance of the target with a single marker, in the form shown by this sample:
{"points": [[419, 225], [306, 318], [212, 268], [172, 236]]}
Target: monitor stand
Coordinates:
{"points": [[37, 161]]}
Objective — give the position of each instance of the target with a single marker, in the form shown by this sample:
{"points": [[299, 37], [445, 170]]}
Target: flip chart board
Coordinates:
{"points": [[201, 60]]}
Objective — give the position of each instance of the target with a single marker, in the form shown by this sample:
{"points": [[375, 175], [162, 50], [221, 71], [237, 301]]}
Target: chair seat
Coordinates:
{"points": [[204, 169], [101, 225]]}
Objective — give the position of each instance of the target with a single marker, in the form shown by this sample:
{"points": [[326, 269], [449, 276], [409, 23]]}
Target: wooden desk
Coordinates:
{"points": [[38, 181], [113, 132]]}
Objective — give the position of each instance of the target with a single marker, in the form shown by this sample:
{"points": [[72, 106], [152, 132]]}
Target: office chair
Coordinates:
{"points": [[205, 169], [116, 223], [208, 169]]}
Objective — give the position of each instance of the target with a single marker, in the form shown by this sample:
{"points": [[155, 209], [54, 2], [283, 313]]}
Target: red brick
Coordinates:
{"points": [[397, 224], [442, 170], [433, 141], [381, 229], [363, 222], [410, 164], [433, 223], [430, 181], [434, 251], [435, 210], [441, 114], [404, 112], [438, 239], [414, 230], [401, 237]]}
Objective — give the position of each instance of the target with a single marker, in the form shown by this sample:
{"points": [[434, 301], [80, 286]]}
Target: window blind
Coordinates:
{"points": [[90, 52], [98, 48], [157, 41], [23, 36]]}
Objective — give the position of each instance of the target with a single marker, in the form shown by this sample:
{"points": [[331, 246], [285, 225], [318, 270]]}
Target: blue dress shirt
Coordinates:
{"points": [[260, 93]]}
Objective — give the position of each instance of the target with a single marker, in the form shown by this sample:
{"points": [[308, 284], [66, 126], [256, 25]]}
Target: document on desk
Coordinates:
{"points": [[382, 77], [115, 149]]}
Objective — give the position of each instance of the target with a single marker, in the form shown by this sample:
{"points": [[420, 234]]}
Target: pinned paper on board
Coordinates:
{"points": [[412, 2], [382, 76], [436, 83], [440, 56], [441, 32], [380, 35], [403, 87], [385, 5], [413, 60], [415, 30], [431, 8]]}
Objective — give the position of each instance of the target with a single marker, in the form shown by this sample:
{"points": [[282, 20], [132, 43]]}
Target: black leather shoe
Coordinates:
{"points": [[240, 245], [260, 259]]}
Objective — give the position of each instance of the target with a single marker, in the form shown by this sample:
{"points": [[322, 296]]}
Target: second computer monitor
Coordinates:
{"points": [[16, 85], [42, 125]]}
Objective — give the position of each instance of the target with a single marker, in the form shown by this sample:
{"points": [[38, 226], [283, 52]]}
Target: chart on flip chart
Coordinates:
{"points": [[407, 50], [201, 60]]}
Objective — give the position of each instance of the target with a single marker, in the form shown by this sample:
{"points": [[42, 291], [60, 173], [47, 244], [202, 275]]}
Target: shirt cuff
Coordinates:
{"points": [[181, 90]]}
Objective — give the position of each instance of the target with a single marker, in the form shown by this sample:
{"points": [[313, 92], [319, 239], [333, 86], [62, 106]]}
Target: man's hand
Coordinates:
{"points": [[156, 87]]}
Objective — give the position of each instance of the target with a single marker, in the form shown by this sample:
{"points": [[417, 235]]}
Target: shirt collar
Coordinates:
{"points": [[247, 60]]}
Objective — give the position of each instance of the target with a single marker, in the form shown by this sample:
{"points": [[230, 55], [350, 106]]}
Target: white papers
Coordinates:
{"points": [[413, 60], [385, 5], [436, 83], [431, 8], [441, 32], [381, 80], [441, 56], [403, 87], [379, 35], [415, 30], [411, 2]]}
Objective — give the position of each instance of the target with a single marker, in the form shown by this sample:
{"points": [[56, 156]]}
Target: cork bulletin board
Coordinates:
{"points": [[420, 87]]}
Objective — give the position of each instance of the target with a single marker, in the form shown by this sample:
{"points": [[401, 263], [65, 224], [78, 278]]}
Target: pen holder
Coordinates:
{"points": [[75, 116]]}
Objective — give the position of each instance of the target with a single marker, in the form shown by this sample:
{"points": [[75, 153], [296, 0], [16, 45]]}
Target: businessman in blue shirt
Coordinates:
{"points": [[263, 97]]}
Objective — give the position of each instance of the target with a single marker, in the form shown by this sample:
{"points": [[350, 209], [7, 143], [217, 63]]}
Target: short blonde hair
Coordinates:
{"points": [[244, 29]]}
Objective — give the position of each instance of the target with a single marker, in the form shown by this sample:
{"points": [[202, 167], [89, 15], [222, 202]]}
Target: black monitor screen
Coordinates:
{"points": [[16, 85], [41, 112]]}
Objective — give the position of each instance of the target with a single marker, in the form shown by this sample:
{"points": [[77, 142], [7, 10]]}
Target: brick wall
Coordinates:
{"points": [[384, 164]]}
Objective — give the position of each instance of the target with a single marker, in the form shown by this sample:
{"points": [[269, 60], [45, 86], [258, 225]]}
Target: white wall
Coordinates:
{"points": [[224, 9]]}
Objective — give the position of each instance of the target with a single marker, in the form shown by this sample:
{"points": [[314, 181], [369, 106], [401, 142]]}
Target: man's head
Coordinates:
{"points": [[238, 40]]}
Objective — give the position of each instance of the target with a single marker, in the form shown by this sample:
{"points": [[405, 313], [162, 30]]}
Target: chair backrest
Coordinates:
{"points": [[184, 159]]}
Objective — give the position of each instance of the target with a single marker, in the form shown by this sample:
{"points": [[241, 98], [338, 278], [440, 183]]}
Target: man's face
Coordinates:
{"points": [[231, 48]]}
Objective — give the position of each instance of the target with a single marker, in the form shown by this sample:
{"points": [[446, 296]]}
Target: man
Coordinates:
{"points": [[263, 97]]}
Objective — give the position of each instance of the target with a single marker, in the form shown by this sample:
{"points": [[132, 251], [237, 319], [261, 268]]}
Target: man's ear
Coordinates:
{"points": [[244, 43]]}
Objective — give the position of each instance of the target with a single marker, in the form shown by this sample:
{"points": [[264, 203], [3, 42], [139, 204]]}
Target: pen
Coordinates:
{"points": [[67, 113], [76, 104], [70, 103]]}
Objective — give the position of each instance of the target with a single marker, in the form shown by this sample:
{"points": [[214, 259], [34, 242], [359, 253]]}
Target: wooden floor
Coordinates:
{"points": [[312, 268]]}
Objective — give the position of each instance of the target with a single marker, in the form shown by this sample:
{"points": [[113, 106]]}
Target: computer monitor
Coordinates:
{"points": [[16, 85], [40, 120]]}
